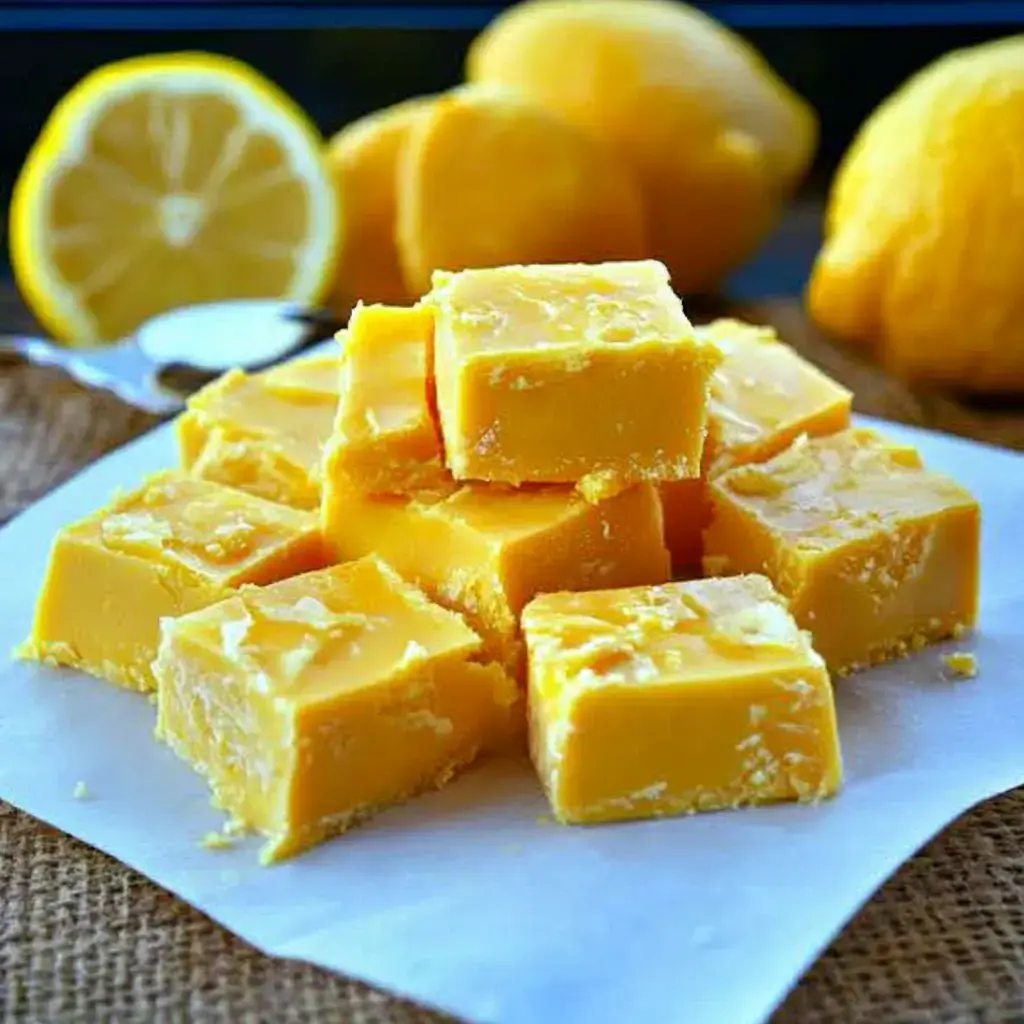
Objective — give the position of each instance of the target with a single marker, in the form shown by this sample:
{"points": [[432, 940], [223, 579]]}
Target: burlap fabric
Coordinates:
{"points": [[83, 938]]}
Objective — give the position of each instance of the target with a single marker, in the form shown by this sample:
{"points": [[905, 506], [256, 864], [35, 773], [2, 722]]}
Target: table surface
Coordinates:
{"points": [[84, 938]]}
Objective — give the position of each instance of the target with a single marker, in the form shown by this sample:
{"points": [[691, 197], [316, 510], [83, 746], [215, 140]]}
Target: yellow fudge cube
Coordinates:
{"points": [[763, 396], [687, 697], [875, 553], [263, 433], [484, 550], [312, 703], [586, 374], [174, 545], [385, 438]]}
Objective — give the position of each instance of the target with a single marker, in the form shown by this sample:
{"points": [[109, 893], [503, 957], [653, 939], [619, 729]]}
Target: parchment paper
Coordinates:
{"points": [[470, 899]]}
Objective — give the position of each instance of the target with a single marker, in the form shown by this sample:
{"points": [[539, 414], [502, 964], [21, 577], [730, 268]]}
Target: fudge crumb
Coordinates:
{"points": [[217, 841], [960, 665], [81, 791], [230, 832]]}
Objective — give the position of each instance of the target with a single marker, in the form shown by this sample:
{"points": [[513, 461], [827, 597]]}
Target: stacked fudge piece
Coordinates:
{"points": [[482, 523], [507, 437]]}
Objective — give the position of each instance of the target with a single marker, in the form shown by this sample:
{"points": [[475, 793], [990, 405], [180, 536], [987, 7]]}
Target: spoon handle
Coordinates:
{"points": [[121, 368]]}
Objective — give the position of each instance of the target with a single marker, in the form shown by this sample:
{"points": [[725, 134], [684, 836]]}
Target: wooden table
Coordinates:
{"points": [[84, 938]]}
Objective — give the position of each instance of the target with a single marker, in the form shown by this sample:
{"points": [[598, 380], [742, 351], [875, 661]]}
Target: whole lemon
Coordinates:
{"points": [[486, 178], [363, 158], [713, 136], [923, 261]]}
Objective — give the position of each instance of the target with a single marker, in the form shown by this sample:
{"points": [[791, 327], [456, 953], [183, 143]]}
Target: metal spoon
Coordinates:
{"points": [[191, 345]]}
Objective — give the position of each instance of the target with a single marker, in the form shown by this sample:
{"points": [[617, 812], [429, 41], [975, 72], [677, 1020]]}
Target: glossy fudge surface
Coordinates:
{"points": [[686, 697], [174, 545], [385, 438], [762, 397], [314, 702], [582, 374], [876, 553], [263, 433], [485, 550]]}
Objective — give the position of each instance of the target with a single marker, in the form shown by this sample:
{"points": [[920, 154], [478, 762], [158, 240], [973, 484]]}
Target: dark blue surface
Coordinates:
{"points": [[781, 267], [187, 14]]}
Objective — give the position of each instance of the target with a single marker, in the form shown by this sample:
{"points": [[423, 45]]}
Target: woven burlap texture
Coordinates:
{"points": [[83, 938]]}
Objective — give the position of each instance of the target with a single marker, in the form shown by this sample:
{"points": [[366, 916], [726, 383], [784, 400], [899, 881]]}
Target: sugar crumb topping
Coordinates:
{"points": [[307, 610], [138, 529], [297, 659], [233, 634], [413, 652], [766, 624]]}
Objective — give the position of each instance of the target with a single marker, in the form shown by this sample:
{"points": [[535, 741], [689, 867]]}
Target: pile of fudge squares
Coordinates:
{"points": [[538, 510]]}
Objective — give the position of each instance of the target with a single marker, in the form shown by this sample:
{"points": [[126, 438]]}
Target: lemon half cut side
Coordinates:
{"points": [[166, 181]]}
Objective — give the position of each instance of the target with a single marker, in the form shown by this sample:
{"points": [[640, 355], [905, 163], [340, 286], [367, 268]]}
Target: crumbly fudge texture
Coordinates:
{"points": [[175, 544], [877, 554], [582, 374], [692, 696], [315, 702]]}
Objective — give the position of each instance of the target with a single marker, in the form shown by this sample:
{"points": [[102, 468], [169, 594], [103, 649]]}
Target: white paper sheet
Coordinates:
{"points": [[468, 899]]}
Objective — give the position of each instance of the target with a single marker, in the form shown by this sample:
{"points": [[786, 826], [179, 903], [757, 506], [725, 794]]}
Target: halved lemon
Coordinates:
{"points": [[165, 181]]}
